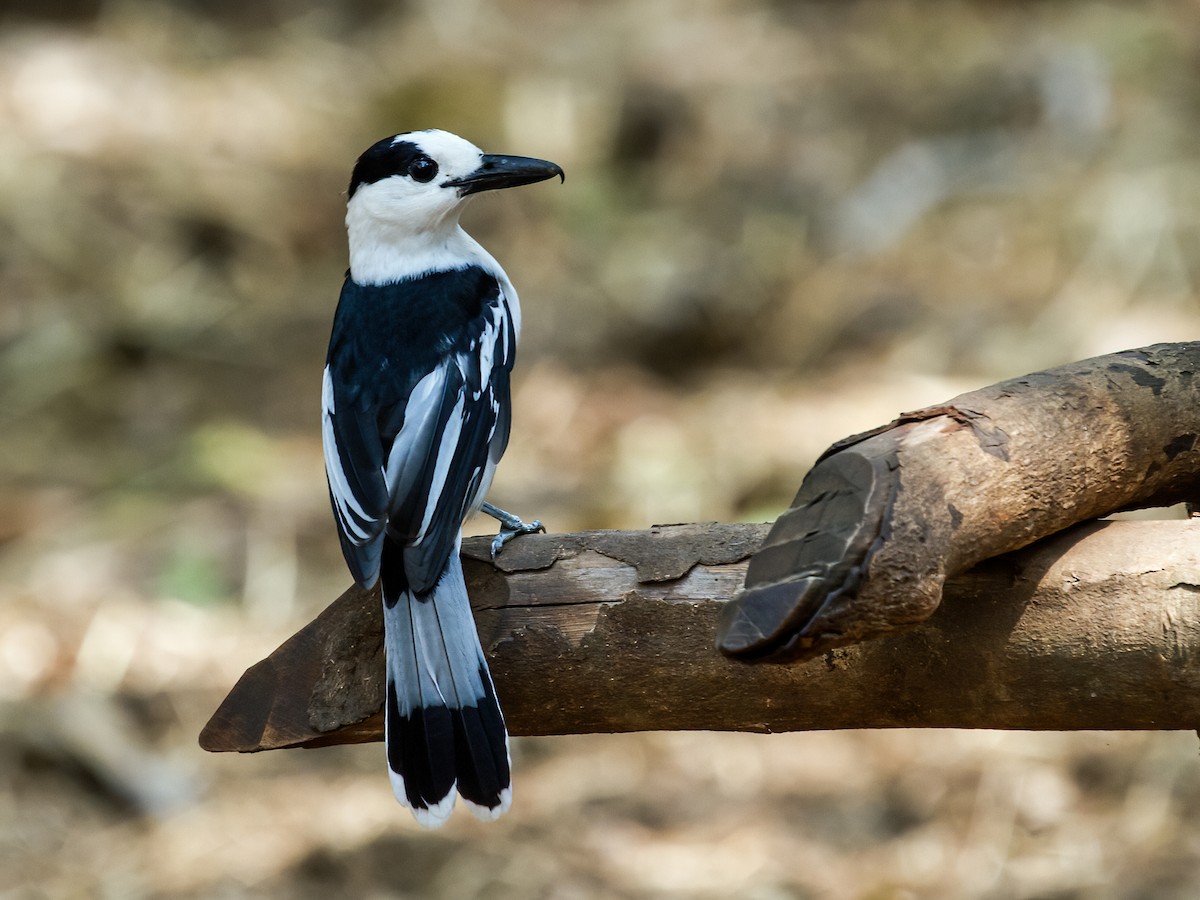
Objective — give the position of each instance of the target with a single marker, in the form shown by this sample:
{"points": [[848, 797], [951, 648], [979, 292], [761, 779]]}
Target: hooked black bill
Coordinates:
{"points": [[496, 171]]}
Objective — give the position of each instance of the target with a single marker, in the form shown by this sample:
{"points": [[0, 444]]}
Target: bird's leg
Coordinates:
{"points": [[510, 526]]}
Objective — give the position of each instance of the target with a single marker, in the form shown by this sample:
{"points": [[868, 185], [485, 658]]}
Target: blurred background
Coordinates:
{"points": [[782, 222]]}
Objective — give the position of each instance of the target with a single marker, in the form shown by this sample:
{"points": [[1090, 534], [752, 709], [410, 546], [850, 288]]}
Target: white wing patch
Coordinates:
{"points": [[444, 456], [487, 346], [359, 527], [409, 452]]}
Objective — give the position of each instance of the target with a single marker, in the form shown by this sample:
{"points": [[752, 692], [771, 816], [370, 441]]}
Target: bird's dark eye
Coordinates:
{"points": [[423, 169]]}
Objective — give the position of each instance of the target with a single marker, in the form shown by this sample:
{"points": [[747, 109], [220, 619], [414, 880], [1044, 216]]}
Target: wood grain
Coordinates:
{"points": [[1095, 628]]}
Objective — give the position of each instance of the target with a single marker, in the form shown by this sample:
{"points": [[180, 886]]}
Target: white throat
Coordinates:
{"points": [[382, 252]]}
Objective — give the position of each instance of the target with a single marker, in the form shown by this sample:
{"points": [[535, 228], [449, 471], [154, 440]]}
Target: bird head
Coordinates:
{"points": [[419, 181]]}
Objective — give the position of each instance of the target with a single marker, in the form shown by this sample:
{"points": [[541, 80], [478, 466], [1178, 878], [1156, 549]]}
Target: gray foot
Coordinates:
{"points": [[510, 526]]}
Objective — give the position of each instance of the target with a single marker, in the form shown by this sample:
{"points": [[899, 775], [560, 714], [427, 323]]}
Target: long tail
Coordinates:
{"points": [[444, 729]]}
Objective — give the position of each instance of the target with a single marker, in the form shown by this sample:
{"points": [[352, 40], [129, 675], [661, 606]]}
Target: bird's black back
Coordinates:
{"points": [[388, 337]]}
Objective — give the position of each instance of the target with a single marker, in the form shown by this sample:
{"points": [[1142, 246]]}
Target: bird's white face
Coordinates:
{"points": [[406, 181]]}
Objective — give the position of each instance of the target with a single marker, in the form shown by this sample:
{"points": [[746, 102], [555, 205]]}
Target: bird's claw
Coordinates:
{"points": [[510, 530], [510, 526]]}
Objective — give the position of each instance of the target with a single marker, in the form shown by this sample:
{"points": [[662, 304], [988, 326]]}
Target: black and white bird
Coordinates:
{"points": [[416, 417]]}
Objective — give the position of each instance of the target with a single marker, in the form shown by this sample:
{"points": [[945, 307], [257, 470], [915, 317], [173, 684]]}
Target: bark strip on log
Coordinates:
{"points": [[884, 518], [1095, 628]]}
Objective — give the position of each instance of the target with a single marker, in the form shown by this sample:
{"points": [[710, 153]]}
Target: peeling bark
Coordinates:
{"points": [[884, 518]]}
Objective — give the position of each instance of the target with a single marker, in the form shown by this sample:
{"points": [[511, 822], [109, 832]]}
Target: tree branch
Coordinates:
{"points": [[1095, 628]]}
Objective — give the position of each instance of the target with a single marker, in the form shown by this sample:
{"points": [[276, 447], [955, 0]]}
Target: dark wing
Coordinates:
{"points": [[415, 415], [441, 463], [354, 469]]}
